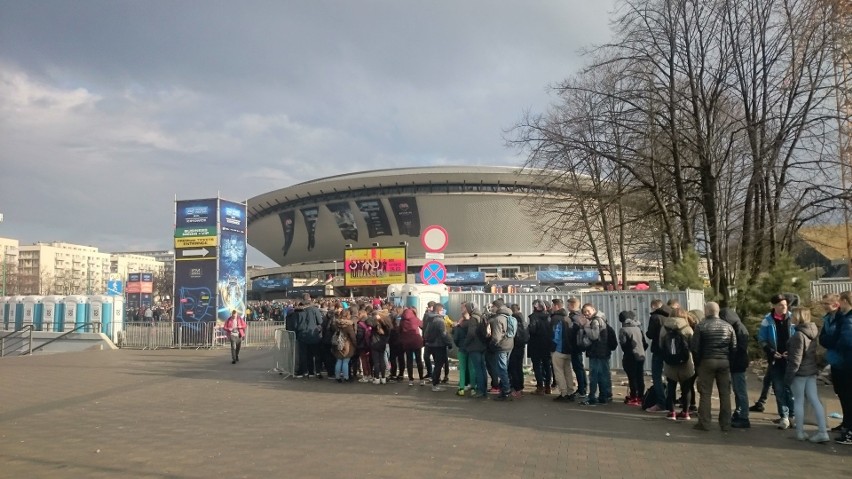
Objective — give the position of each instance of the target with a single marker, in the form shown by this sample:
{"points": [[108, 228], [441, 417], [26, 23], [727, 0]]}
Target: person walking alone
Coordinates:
{"points": [[235, 328]]}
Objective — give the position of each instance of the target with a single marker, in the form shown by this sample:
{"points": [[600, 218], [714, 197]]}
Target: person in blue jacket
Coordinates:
{"points": [[775, 330], [836, 338]]}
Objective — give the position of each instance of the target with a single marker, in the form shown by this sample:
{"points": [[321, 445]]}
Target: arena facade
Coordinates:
{"points": [[306, 227]]}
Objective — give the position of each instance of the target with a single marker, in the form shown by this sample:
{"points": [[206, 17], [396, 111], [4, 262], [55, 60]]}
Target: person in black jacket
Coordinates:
{"points": [[739, 365], [540, 344], [577, 364], [712, 346], [516, 357], [659, 313]]}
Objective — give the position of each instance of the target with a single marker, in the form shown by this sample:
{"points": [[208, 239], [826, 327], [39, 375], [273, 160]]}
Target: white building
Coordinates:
{"points": [[62, 268], [123, 263], [9, 266]]}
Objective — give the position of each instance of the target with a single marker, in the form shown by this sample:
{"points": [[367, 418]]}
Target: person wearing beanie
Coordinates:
{"points": [[633, 346]]}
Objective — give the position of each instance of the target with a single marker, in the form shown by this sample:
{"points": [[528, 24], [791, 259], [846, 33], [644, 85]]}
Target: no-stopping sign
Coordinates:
{"points": [[434, 239]]}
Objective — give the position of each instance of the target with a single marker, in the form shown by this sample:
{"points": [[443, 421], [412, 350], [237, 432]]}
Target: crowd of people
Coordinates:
{"points": [[372, 341]]}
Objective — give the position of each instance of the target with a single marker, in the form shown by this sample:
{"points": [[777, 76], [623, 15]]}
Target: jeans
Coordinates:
{"points": [[380, 363], [564, 372], [718, 371], [491, 364], [686, 390], [738, 381], [477, 363], [657, 379], [236, 341], [842, 382], [579, 373], [516, 368], [805, 388], [764, 390], [308, 355], [635, 370], [464, 365], [783, 396], [599, 377], [341, 369], [541, 368], [412, 356], [439, 355], [502, 366]]}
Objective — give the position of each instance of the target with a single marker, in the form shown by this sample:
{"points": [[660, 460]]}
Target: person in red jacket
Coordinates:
{"points": [[235, 328], [411, 342]]}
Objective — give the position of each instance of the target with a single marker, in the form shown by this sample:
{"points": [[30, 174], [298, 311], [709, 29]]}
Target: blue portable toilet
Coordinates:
{"points": [[53, 311], [18, 312], [100, 311], [4, 312], [33, 312], [76, 312]]}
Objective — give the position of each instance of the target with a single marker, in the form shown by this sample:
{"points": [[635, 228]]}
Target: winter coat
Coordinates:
{"points": [[560, 321], [597, 333], [235, 322], [347, 327], [309, 326], [713, 339], [435, 334], [836, 338], [739, 360], [541, 336], [684, 371], [801, 353], [630, 336], [767, 335], [655, 325], [472, 342], [459, 334], [499, 324], [409, 331]]}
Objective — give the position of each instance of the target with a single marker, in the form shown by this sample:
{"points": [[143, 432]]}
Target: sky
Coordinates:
{"points": [[111, 109]]}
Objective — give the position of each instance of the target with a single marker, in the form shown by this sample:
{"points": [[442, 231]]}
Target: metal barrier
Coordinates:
{"points": [[259, 334], [284, 352], [195, 335]]}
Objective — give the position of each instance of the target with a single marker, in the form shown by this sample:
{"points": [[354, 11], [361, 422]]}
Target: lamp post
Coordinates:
{"points": [[335, 270]]}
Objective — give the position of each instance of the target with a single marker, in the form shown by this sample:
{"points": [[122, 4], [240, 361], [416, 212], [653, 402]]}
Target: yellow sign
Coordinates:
{"points": [[196, 242], [374, 266]]}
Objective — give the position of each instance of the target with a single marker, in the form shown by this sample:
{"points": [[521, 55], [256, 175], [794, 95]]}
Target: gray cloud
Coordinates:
{"points": [[108, 109]]}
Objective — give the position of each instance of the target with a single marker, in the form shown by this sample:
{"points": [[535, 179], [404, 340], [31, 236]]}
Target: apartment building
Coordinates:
{"points": [[9, 266], [62, 268]]}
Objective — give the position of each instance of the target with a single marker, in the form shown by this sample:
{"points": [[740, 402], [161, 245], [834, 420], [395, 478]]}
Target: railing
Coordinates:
{"points": [[94, 326], [17, 340], [193, 335]]}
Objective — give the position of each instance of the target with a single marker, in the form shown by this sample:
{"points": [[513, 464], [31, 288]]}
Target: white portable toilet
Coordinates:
{"points": [[100, 311], [75, 312], [419, 295], [53, 309], [32, 312], [395, 294]]}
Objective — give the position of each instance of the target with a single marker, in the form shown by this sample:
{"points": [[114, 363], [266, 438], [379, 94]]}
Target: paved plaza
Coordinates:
{"points": [[192, 414]]}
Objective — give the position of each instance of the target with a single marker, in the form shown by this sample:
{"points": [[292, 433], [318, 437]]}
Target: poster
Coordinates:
{"points": [[375, 217], [147, 283], [310, 215], [134, 283], [374, 266], [567, 276], [195, 285], [196, 213], [232, 216], [288, 219], [407, 215], [345, 219], [231, 283]]}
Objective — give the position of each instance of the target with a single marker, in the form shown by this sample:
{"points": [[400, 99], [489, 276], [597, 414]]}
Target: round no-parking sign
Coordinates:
{"points": [[433, 272]]}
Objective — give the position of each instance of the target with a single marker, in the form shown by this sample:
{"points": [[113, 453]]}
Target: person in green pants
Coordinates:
{"points": [[466, 372]]}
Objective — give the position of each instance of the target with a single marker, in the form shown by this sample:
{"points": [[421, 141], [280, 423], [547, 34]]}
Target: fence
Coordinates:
{"points": [[284, 352], [195, 335], [610, 303], [826, 286]]}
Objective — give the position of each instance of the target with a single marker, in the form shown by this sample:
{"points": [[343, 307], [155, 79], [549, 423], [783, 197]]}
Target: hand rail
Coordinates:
{"points": [[21, 339], [84, 325]]}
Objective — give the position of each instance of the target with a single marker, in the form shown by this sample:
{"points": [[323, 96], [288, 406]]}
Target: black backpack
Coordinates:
{"points": [[675, 349], [611, 338], [522, 333]]}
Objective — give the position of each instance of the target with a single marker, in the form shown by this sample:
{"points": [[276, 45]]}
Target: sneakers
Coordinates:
{"points": [[460, 392], [819, 438], [655, 408], [589, 402], [683, 416], [837, 428], [501, 397], [363, 379], [671, 415], [693, 408], [423, 382], [571, 397], [845, 439], [445, 380], [383, 381], [801, 436], [547, 390], [634, 402], [436, 389], [494, 391], [741, 424], [411, 383], [517, 394], [784, 423], [377, 381], [758, 407], [561, 399]]}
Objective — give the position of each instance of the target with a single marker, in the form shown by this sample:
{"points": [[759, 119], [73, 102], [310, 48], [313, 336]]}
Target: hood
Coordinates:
{"points": [[578, 319], [433, 315], [674, 323], [343, 323], [504, 310], [560, 312], [810, 330], [626, 316], [730, 315], [663, 311]]}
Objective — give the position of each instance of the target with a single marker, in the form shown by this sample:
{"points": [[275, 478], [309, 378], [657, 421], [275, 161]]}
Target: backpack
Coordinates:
{"points": [[482, 330], [611, 339], [522, 335], [675, 349], [511, 326], [362, 336], [581, 339], [338, 341]]}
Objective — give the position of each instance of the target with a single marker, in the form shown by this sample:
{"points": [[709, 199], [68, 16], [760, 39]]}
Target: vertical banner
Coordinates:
{"points": [[146, 285], [345, 219], [194, 295], [231, 282], [310, 215], [288, 220], [407, 215], [134, 283], [375, 217]]}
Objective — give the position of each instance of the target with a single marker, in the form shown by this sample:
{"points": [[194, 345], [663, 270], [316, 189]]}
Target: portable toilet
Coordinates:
{"points": [[4, 318], [395, 294], [117, 317], [100, 311], [53, 309], [18, 312], [76, 312], [419, 295], [33, 311]]}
